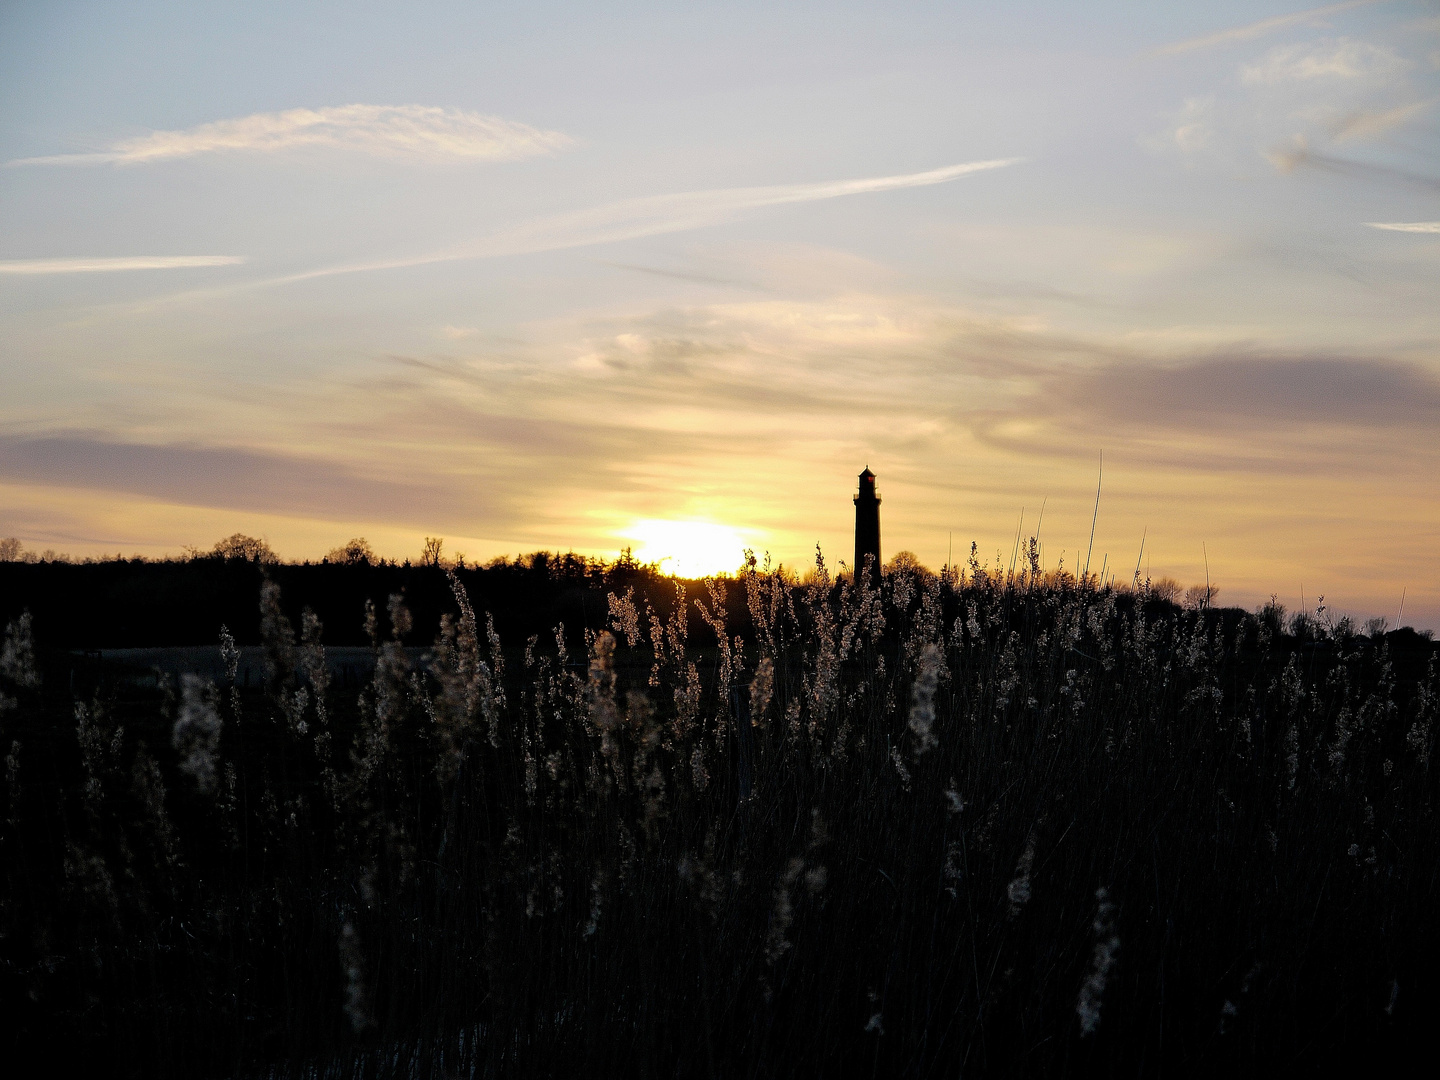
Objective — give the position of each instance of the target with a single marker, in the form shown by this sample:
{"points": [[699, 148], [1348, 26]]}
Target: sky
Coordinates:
{"points": [[586, 277]]}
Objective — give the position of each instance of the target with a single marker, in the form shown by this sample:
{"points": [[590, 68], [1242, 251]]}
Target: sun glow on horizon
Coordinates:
{"points": [[688, 548]]}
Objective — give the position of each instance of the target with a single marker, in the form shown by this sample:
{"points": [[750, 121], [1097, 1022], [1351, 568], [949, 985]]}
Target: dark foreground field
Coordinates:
{"points": [[961, 825]]}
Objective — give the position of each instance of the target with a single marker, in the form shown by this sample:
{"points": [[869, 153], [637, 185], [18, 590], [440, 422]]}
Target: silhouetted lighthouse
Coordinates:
{"points": [[867, 526]]}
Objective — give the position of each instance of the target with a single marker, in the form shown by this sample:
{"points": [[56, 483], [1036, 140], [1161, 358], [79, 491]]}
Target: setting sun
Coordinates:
{"points": [[688, 548]]}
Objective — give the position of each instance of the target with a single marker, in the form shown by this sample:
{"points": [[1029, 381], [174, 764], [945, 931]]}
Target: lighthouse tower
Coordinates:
{"points": [[867, 526]]}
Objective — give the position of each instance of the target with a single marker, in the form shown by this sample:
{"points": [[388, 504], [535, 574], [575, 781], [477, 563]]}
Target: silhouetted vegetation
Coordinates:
{"points": [[134, 603], [607, 822]]}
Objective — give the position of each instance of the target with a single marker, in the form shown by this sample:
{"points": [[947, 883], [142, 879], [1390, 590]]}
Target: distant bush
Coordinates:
{"points": [[12, 550], [1198, 597], [356, 552], [1167, 589], [244, 549]]}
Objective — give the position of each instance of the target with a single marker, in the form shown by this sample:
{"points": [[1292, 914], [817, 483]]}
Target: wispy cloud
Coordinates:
{"points": [[1271, 416], [1364, 124], [1259, 29], [1406, 226], [1343, 59], [656, 215], [683, 275], [407, 132], [1246, 391], [110, 265], [1193, 131], [237, 477]]}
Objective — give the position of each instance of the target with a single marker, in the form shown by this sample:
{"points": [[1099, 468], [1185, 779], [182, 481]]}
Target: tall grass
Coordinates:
{"points": [[972, 823]]}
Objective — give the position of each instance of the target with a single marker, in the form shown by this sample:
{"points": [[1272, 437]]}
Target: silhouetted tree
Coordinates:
{"points": [[356, 552]]}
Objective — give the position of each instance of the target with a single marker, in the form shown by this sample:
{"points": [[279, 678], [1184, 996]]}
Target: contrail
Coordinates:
{"points": [[1406, 226], [102, 265], [653, 215]]}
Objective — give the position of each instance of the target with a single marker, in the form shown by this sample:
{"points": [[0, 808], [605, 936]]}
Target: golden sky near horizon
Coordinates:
{"points": [[669, 280]]}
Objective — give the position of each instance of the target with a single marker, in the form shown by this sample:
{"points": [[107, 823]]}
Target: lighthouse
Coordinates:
{"points": [[867, 526]]}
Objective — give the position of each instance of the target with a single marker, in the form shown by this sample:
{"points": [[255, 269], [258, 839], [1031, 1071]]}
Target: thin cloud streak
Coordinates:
{"points": [[1366, 124], [1298, 154], [654, 215], [404, 132], [104, 265], [1406, 226], [681, 275], [242, 478], [1258, 29]]}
